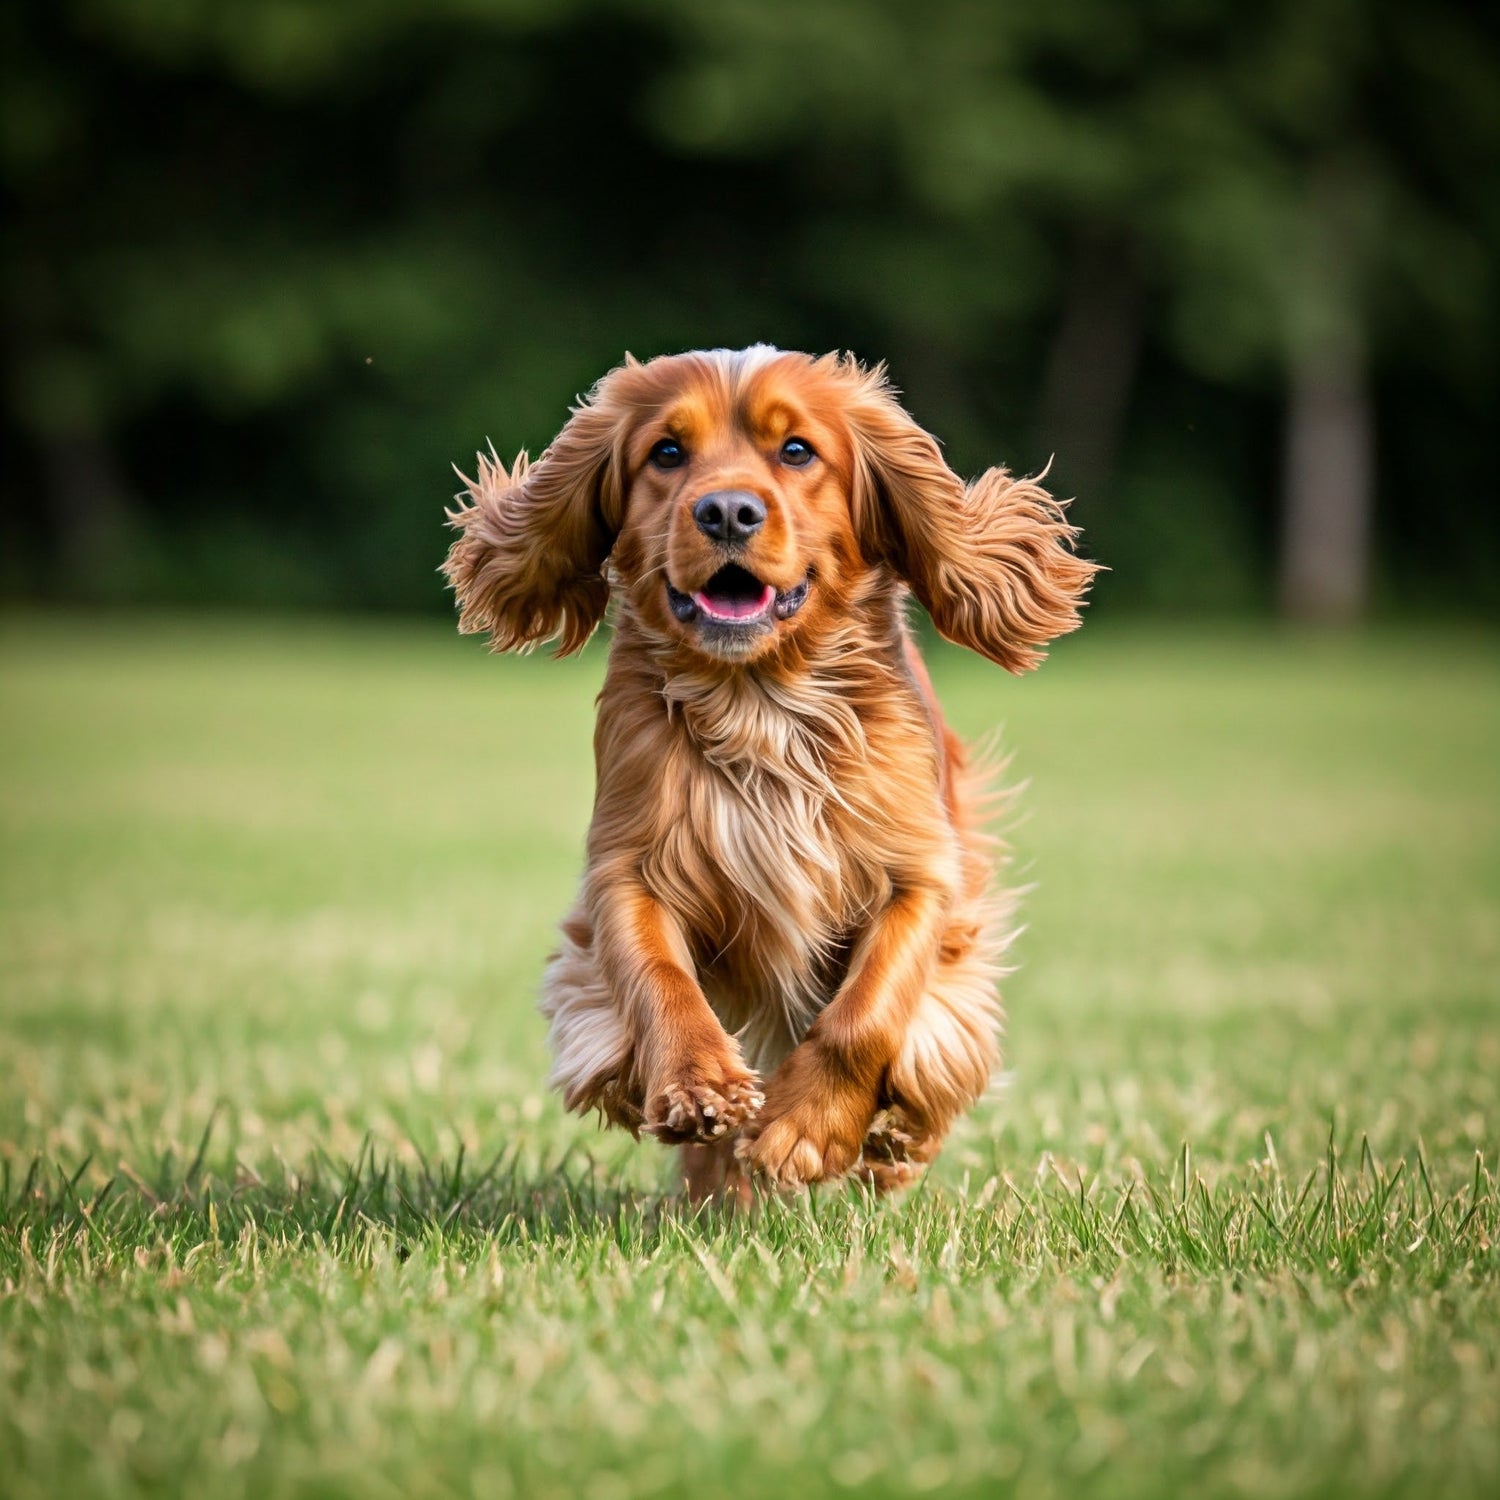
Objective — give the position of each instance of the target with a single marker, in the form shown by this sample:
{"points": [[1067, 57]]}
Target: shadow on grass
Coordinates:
{"points": [[507, 1198], [1339, 1220]]}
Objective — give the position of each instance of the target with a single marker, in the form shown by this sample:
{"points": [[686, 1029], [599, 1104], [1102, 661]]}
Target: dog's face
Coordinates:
{"points": [[741, 500], [736, 530]]}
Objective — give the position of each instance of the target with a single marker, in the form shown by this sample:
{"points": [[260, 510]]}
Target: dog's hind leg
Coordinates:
{"points": [[711, 1173], [949, 1052], [593, 1056]]}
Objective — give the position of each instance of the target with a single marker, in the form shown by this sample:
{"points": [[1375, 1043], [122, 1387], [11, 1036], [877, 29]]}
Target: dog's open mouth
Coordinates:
{"points": [[734, 596]]}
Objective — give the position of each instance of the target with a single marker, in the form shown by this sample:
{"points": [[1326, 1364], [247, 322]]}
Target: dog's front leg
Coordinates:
{"points": [[820, 1102], [695, 1086]]}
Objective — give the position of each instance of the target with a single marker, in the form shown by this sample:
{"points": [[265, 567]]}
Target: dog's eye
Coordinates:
{"points": [[668, 454], [796, 453]]}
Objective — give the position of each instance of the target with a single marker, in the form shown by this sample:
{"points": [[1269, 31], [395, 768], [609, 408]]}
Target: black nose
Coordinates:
{"points": [[730, 516]]}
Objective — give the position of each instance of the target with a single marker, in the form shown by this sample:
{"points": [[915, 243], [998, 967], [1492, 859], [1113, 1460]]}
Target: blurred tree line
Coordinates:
{"points": [[271, 265]]}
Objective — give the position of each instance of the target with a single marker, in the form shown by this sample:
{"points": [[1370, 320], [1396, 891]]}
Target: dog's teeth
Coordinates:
{"points": [[708, 1111]]}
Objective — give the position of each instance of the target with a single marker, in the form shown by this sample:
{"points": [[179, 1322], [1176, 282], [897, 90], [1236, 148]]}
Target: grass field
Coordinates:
{"points": [[287, 1210]]}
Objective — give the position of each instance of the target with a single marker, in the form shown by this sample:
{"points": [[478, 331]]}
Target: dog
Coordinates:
{"points": [[785, 951]]}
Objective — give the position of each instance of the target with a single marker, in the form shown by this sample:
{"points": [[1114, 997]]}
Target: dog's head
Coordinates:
{"points": [[741, 500]]}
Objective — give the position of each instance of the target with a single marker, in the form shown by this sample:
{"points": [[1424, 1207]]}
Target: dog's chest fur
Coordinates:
{"points": [[784, 851]]}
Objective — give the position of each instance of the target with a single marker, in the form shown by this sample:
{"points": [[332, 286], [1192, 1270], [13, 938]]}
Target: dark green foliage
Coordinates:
{"points": [[269, 268]]}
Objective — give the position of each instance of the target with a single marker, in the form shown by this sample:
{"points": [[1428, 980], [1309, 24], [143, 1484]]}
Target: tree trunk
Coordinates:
{"points": [[1328, 487], [90, 512]]}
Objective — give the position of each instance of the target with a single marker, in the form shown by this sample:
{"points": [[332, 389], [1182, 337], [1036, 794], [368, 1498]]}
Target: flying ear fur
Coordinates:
{"points": [[992, 562], [528, 565]]}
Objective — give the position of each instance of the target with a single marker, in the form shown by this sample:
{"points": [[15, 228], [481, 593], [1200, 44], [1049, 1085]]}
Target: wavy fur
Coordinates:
{"points": [[529, 565], [785, 951]]}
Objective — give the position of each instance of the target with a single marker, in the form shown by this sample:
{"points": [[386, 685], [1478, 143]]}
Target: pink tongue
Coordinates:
{"points": [[735, 609]]}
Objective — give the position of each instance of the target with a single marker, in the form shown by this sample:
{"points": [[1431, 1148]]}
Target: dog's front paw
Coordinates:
{"points": [[813, 1125], [807, 1143], [696, 1110]]}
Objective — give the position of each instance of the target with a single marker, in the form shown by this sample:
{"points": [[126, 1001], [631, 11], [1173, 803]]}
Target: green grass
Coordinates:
{"points": [[285, 1207]]}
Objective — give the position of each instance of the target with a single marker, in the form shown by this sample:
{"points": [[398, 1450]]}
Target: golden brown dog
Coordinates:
{"points": [[785, 949]]}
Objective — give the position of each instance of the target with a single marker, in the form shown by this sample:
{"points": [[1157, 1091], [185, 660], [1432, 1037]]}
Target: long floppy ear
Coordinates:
{"points": [[991, 561], [528, 565]]}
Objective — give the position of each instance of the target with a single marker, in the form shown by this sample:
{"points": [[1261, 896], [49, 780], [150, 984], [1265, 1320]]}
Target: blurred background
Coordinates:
{"points": [[277, 883], [271, 267]]}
